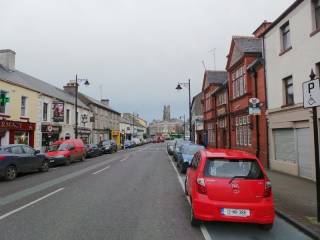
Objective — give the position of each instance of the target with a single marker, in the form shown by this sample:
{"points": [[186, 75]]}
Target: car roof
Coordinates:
{"points": [[227, 153], [12, 145]]}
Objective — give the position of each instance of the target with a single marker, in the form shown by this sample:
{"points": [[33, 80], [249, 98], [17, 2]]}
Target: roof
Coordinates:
{"points": [[283, 15], [248, 44], [124, 120], [217, 77], [24, 80], [227, 153], [196, 105], [98, 103]]}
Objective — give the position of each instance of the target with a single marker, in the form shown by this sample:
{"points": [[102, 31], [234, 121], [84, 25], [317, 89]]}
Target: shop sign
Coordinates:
{"points": [[254, 106], [82, 130], [58, 111], [14, 125], [50, 129], [4, 100]]}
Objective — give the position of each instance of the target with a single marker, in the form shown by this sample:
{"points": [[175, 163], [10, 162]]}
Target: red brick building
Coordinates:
{"points": [[212, 80], [246, 79]]}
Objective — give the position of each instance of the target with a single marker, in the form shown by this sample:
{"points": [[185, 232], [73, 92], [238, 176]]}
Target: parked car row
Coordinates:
{"points": [[224, 185]]}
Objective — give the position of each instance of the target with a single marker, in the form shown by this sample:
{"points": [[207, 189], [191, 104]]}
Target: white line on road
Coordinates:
{"points": [[29, 204], [125, 158], [99, 171], [203, 229]]}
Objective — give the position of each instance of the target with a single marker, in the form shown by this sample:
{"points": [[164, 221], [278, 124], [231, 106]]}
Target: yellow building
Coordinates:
{"points": [[18, 112]]}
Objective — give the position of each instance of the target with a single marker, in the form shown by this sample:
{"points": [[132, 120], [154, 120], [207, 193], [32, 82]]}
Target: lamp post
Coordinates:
{"points": [[180, 87], [184, 126], [78, 81]]}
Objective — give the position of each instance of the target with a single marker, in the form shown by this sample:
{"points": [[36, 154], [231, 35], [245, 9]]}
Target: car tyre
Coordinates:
{"points": [[185, 188], [11, 173], [266, 227], [82, 158], [67, 162], [44, 166], [194, 222]]}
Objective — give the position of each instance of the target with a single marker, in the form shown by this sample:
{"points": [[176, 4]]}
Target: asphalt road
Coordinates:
{"points": [[133, 194]]}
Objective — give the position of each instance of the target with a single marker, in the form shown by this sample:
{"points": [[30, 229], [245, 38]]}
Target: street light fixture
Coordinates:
{"points": [[180, 86], [86, 83]]}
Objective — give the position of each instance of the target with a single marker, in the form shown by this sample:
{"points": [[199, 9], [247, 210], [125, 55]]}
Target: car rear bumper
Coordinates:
{"points": [[208, 210], [53, 161]]}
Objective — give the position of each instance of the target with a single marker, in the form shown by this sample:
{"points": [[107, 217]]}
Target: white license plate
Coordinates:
{"points": [[235, 212], [51, 161]]}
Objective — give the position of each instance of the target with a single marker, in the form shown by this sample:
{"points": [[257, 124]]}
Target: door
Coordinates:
{"points": [[21, 158], [34, 161], [305, 153]]}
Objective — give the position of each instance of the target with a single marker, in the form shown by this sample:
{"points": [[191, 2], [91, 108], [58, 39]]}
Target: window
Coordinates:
{"points": [[45, 112], [28, 150], [195, 161], [222, 123], [221, 99], [318, 69], [23, 106], [211, 134], [3, 101], [16, 150], [68, 116], [316, 5], [286, 37], [238, 82], [243, 131], [288, 90]]}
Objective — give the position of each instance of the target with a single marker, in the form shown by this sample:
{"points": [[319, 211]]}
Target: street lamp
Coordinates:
{"points": [[180, 86], [86, 83]]}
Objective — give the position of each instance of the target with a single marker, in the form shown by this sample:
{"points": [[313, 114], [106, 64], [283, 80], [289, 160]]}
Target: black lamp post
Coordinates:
{"points": [[78, 81], [180, 87]]}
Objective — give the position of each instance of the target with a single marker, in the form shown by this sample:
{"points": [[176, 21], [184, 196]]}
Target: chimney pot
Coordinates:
{"points": [[8, 58]]}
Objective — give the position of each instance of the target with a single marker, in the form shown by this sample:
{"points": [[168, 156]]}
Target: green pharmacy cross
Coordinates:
{"points": [[4, 100]]}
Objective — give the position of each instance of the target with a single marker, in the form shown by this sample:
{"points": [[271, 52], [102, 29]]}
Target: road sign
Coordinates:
{"points": [[254, 106], [311, 93]]}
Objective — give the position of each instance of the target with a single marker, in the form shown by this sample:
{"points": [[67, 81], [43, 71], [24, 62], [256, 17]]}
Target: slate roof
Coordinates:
{"points": [[217, 77], [37, 85], [124, 120], [248, 44], [98, 103]]}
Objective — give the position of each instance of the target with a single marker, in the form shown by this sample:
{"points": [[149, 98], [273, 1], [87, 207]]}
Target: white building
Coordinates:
{"points": [[292, 47]]}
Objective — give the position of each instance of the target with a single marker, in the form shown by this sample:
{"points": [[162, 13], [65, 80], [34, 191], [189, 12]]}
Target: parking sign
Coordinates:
{"points": [[311, 93]]}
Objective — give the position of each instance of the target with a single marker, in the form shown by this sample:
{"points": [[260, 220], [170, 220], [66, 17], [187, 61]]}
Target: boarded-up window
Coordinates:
{"points": [[285, 148]]}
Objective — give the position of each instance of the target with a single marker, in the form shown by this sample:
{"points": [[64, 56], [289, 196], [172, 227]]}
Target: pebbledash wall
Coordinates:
{"points": [[291, 147]]}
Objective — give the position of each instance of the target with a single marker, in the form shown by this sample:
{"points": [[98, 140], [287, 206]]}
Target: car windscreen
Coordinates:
{"points": [[230, 168], [190, 149], [106, 142], [58, 147]]}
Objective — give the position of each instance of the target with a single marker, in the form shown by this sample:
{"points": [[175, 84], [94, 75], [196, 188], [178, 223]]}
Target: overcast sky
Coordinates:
{"points": [[132, 51]]}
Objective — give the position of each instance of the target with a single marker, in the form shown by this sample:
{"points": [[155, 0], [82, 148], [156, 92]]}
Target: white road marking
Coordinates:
{"points": [[125, 158], [99, 171], [29, 204], [203, 229]]}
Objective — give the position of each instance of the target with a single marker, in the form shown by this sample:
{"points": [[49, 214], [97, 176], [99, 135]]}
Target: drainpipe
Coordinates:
{"points": [[266, 95]]}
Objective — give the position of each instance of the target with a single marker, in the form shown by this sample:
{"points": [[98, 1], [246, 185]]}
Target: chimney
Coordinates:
{"points": [[8, 58], [105, 102], [70, 87]]}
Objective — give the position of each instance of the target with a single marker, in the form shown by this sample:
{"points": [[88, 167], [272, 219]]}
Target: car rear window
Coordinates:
{"points": [[229, 168]]}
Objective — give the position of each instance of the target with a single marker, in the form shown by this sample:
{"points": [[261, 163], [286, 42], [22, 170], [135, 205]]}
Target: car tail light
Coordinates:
{"points": [[267, 188], [201, 185], [2, 157]]}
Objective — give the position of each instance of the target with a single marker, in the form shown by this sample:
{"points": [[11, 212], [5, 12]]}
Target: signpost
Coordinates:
{"points": [[311, 99]]}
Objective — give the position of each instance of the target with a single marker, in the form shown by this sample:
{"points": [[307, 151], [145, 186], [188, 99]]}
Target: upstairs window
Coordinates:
{"points": [[45, 112], [221, 99], [239, 87], [67, 116], [3, 101], [316, 5], [286, 36], [288, 91], [23, 106]]}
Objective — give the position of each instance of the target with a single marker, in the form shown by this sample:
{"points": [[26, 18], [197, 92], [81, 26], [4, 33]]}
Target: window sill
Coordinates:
{"points": [[4, 115], [315, 32], [285, 51], [238, 98], [25, 118]]}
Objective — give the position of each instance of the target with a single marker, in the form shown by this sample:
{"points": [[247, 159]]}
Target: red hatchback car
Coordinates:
{"points": [[229, 185]]}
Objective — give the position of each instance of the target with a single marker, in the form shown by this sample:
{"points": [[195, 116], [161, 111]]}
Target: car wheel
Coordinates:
{"points": [[82, 158], [44, 166], [67, 162], [182, 170], [266, 227], [194, 222], [11, 173]]}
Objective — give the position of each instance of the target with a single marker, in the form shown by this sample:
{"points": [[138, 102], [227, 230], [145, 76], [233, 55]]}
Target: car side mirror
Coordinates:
{"points": [[36, 152]]}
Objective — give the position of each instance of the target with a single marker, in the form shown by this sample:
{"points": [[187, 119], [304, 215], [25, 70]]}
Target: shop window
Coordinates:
{"points": [[23, 106], [288, 91], [21, 138], [316, 8], [45, 112], [243, 131], [239, 87], [3, 102], [285, 36]]}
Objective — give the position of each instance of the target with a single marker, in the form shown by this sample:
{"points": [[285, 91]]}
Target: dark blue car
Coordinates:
{"points": [[185, 156]]}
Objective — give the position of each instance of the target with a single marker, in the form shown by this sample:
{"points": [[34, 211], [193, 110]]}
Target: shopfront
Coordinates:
{"points": [[15, 132], [50, 134], [84, 134]]}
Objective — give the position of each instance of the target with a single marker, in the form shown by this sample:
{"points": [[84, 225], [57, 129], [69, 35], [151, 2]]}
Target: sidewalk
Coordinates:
{"points": [[295, 200]]}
